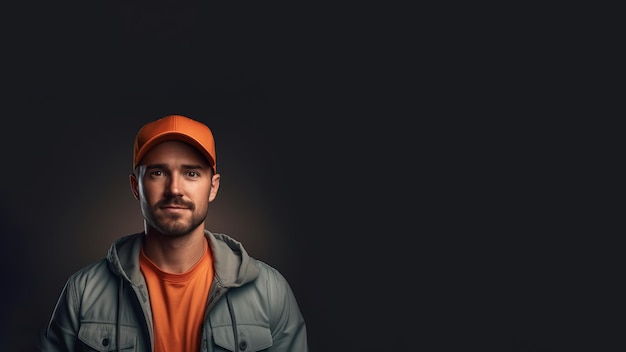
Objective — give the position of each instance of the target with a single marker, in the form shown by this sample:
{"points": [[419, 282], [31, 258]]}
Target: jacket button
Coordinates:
{"points": [[105, 342], [242, 345]]}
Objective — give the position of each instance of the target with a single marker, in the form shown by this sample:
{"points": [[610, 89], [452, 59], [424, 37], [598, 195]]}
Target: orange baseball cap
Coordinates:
{"points": [[175, 128]]}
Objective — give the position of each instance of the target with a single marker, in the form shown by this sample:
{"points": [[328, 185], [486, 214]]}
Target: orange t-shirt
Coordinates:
{"points": [[178, 302]]}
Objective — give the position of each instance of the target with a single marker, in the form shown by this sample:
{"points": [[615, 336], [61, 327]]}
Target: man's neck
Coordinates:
{"points": [[175, 255]]}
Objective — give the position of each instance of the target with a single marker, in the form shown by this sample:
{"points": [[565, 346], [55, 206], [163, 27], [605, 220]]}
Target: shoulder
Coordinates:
{"points": [[267, 270], [86, 283], [272, 279], [90, 270]]}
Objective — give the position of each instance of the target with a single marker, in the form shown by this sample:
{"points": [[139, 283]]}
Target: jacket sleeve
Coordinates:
{"points": [[60, 334], [287, 323]]}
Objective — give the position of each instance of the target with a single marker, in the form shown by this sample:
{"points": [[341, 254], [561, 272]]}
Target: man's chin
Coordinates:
{"points": [[174, 228]]}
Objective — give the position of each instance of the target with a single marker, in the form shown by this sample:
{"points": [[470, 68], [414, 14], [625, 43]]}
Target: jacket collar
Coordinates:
{"points": [[232, 265]]}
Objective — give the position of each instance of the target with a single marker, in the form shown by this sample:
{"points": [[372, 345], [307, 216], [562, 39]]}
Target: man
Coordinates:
{"points": [[176, 286]]}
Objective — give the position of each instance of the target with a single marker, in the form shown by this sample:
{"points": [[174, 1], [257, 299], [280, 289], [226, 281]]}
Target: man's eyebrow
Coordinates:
{"points": [[156, 166], [193, 166]]}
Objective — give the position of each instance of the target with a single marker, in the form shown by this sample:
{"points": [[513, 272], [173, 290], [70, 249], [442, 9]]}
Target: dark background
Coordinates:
{"points": [[398, 166], [290, 106]]}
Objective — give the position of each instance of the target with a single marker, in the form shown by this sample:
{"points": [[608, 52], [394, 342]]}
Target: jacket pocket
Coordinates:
{"points": [[250, 338], [102, 337]]}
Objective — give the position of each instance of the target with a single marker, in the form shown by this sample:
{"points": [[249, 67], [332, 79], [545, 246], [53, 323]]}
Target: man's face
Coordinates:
{"points": [[174, 185]]}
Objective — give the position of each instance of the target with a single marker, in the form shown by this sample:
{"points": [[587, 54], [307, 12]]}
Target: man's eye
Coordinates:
{"points": [[192, 174], [156, 173]]}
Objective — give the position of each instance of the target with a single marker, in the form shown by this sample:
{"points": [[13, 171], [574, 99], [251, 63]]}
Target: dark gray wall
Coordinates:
{"points": [[385, 160], [295, 149]]}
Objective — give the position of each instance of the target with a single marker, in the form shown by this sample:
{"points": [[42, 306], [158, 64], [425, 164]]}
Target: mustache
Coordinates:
{"points": [[175, 201]]}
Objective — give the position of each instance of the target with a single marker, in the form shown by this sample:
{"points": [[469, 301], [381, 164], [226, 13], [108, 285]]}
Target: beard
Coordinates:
{"points": [[173, 225]]}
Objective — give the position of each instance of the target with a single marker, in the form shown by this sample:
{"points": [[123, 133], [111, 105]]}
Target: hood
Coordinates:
{"points": [[232, 265]]}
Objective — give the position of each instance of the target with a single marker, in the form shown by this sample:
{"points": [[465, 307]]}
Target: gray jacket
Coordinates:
{"points": [[105, 306]]}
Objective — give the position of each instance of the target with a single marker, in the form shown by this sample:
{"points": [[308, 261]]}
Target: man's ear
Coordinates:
{"points": [[134, 185], [215, 186]]}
